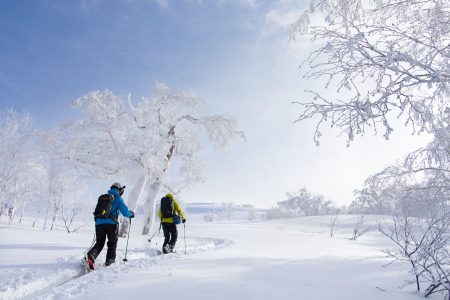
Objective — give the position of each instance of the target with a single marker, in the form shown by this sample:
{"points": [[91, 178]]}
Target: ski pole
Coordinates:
{"points": [[156, 231], [184, 234], [126, 249], [92, 245]]}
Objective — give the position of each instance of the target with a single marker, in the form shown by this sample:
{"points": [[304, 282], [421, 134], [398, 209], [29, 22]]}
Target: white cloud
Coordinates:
{"points": [[162, 3], [282, 19]]}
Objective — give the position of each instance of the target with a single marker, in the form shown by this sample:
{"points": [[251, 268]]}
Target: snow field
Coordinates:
{"points": [[293, 258]]}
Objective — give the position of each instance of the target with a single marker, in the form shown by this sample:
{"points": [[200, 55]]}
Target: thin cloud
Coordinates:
{"points": [[281, 19], [87, 5], [254, 4], [249, 3], [163, 4]]}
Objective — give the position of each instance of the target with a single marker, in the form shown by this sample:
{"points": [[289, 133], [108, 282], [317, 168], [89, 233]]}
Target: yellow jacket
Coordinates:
{"points": [[177, 208]]}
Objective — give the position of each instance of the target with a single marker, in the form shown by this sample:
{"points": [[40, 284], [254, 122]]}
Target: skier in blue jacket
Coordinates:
{"points": [[109, 227]]}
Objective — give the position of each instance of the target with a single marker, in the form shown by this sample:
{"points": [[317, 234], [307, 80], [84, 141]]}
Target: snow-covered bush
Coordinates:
{"points": [[208, 217], [302, 203], [332, 225], [425, 245], [359, 229]]}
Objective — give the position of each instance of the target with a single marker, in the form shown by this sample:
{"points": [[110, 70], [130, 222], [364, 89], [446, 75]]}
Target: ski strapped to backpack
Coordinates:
{"points": [[104, 207]]}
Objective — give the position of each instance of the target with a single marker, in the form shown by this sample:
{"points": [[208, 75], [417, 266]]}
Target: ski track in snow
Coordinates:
{"points": [[66, 278]]}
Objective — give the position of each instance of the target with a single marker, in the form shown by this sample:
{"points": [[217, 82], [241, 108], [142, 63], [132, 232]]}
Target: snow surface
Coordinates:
{"points": [[278, 259]]}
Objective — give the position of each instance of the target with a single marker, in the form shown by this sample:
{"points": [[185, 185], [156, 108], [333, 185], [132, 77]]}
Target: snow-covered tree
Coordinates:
{"points": [[76, 209], [387, 58], [63, 192], [375, 198], [64, 184], [228, 209], [145, 139], [419, 185], [31, 187], [19, 168], [175, 114], [251, 213], [303, 203]]}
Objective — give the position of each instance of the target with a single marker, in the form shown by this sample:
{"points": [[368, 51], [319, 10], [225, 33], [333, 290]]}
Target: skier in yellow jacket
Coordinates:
{"points": [[170, 214]]}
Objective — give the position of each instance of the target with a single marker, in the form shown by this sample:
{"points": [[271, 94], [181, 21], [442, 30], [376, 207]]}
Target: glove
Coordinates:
{"points": [[131, 214], [184, 221]]}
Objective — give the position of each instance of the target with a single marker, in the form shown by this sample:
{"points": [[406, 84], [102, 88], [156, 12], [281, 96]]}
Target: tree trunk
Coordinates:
{"points": [[37, 217], [150, 205], [11, 213], [134, 200], [55, 211], [13, 207], [46, 213], [2, 206], [21, 212]]}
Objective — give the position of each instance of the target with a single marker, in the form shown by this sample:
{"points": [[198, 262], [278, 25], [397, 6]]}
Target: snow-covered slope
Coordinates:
{"points": [[277, 259]]}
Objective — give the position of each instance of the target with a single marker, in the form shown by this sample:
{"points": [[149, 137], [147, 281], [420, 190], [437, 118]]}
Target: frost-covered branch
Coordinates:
{"points": [[390, 57], [425, 246]]}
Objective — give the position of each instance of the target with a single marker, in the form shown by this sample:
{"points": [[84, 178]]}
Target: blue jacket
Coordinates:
{"points": [[118, 205]]}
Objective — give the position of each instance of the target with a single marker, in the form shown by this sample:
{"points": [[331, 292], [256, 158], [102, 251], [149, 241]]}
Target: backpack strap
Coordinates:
{"points": [[115, 217]]}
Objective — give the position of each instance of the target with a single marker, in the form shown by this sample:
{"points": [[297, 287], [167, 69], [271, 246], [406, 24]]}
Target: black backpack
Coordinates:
{"points": [[104, 207], [167, 207]]}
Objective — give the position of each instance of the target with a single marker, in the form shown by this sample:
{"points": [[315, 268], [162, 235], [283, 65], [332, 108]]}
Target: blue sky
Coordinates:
{"points": [[234, 54], [54, 51]]}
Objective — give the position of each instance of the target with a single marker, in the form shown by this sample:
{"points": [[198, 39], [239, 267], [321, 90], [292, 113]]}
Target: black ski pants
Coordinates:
{"points": [[101, 232], [170, 234]]}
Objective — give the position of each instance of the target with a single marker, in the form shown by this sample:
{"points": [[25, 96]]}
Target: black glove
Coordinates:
{"points": [[131, 214], [184, 221]]}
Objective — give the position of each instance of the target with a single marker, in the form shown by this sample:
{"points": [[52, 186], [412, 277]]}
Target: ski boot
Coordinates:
{"points": [[88, 263], [109, 261]]}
